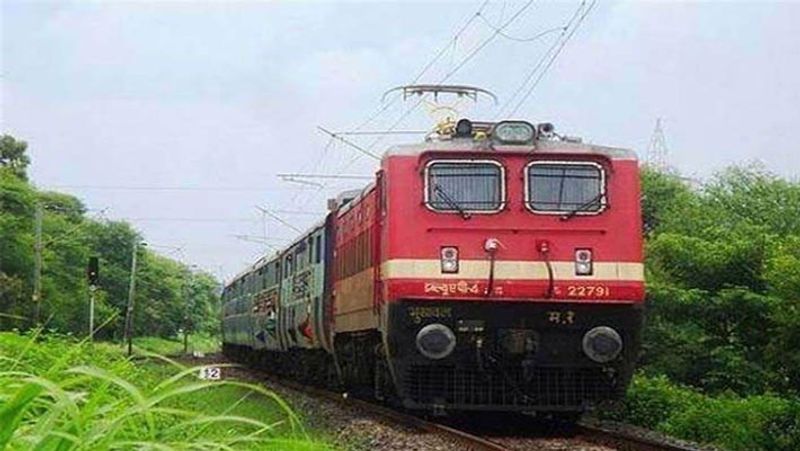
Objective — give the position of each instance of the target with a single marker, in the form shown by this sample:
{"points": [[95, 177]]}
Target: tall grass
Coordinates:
{"points": [[60, 394], [202, 343]]}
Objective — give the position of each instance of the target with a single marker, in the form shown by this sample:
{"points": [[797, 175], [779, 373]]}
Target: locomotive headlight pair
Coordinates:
{"points": [[602, 344], [449, 259], [583, 262]]}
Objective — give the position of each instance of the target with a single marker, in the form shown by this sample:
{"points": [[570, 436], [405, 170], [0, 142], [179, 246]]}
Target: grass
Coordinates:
{"points": [[203, 343], [57, 393]]}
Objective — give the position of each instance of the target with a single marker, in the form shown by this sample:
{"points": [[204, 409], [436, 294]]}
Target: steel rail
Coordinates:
{"points": [[470, 441], [627, 440], [592, 433]]}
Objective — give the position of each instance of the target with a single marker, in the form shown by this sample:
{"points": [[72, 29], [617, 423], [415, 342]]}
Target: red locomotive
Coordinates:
{"points": [[498, 267]]}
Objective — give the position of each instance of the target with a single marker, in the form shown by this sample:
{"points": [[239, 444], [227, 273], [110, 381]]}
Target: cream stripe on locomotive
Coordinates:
{"points": [[510, 270]]}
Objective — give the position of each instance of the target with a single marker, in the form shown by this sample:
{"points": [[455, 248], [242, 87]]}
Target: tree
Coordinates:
{"points": [[666, 201], [723, 266], [12, 155]]}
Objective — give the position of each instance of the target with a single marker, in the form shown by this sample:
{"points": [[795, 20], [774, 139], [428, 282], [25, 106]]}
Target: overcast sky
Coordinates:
{"points": [[178, 115]]}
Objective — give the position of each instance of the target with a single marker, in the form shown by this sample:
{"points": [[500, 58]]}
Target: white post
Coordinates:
{"points": [[92, 289]]}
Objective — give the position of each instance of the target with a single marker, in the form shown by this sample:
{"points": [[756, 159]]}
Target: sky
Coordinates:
{"points": [[178, 115]]}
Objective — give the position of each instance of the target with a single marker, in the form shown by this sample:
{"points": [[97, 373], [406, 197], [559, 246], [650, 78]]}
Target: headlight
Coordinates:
{"points": [[449, 258], [514, 132], [602, 344], [436, 341], [583, 262]]}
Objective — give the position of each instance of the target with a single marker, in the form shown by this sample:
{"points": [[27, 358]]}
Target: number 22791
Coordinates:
{"points": [[588, 291]]}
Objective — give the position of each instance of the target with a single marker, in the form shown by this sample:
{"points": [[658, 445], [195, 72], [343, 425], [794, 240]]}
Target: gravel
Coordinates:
{"points": [[347, 428]]}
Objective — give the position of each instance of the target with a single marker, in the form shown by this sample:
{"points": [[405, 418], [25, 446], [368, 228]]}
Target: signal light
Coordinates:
{"points": [[449, 259], [93, 271], [583, 262]]}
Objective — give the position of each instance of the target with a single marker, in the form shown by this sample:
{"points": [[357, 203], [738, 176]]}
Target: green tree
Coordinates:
{"points": [[723, 267], [13, 157]]}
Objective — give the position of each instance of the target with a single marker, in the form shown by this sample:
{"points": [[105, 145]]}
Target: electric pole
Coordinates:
{"points": [[92, 274], [187, 317], [37, 264], [131, 301]]}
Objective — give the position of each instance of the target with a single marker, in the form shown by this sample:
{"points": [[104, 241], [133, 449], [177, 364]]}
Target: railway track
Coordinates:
{"points": [[503, 433]]}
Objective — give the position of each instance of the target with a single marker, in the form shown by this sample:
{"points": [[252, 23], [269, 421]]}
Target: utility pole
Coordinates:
{"points": [[92, 275], [131, 293], [187, 316], [37, 264], [92, 289]]}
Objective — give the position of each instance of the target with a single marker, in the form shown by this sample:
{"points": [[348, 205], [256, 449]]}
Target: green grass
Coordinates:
{"points": [[203, 343], [60, 394]]}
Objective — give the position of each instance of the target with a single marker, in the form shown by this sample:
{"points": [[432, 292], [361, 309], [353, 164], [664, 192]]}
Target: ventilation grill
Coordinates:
{"points": [[556, 387]]}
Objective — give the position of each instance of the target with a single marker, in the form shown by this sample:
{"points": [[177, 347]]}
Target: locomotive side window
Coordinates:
{"points": [[565, 188], [464, 186]]}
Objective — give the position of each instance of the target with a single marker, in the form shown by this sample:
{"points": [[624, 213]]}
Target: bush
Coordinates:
{"points": [[752, 423]]}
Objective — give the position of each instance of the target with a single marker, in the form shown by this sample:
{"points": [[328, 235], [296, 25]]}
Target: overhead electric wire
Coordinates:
{"points": [[517, 39], [349, 143], [453, 71], [428, 65], [444, 48], [69, 235], [383, 132], [179, 219], [167, 188], [488, 40], [278, 218], [458, 67], [540, 62], [555, 55], [325, 176]]}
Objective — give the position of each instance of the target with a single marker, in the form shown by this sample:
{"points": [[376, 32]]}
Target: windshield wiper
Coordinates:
{"points": [[449, 200], [582, 207]]}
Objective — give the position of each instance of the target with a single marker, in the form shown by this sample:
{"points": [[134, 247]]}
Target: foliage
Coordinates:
{"points": [[166, 289], [57, 393], [724, 282], [721, 360], [762, 422], [12, 156]]}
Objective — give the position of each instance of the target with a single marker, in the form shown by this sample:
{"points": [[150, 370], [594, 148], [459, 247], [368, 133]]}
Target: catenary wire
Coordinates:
{"points": [[540, 62], [553, 58]]}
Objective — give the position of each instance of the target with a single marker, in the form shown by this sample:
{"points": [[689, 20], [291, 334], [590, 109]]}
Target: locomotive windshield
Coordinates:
{"points": [[565, 187], [464, 186]]}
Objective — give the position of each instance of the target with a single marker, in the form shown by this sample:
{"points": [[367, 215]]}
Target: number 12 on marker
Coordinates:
{"points": [[211, 373]]}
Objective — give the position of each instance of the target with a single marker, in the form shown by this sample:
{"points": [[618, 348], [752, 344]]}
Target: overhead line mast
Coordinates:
{"points": [[658, 151]]}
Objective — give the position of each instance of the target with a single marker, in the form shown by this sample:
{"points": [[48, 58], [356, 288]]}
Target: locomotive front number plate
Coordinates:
{"points": [[588, 291]]}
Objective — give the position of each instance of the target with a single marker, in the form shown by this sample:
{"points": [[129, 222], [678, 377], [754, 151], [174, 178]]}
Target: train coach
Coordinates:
{"points": [[495, 266]]}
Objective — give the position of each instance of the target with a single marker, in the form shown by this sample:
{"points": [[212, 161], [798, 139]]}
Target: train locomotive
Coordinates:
{"points": [[493, 267]]}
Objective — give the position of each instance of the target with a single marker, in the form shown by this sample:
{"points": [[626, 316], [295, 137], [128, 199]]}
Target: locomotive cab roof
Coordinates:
{"points": [[505, 136], [540, 147]]}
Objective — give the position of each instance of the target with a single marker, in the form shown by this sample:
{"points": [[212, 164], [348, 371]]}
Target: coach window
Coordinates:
{"points": [[288, 266], [459, 186], [565, 188]]}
